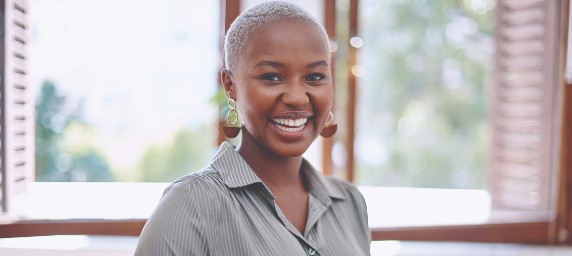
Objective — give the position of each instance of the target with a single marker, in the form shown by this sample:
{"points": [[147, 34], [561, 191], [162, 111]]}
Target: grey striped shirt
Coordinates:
{"points": [[225, 209]]}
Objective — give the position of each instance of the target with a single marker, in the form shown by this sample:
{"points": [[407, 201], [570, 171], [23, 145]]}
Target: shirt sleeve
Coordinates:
{"points": [[361, 208], [175, 227], [365, 221]]}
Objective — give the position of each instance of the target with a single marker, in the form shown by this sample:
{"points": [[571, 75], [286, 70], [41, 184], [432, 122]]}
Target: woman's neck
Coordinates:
{"points": [[275, 171], [282, 176]]}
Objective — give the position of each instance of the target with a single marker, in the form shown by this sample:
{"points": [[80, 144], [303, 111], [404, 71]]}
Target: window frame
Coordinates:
{"points": [[553, 231]]}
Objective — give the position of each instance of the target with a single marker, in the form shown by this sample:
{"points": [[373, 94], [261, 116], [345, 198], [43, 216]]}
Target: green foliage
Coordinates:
{"points": [[56, 160], [185, 153], [424, 96], [48, 132], [66, 147]]}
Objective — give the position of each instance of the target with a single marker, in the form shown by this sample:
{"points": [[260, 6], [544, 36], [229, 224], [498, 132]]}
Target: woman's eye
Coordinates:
{"points": [[315, 77], [271, 77]]}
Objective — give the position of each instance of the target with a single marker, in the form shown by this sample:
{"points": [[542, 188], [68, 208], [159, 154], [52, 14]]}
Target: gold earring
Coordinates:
{"points": [[231, 130], [330, 129]]}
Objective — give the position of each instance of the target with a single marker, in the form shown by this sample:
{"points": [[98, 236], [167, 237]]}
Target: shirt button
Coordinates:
{"points": [[311, 252]]}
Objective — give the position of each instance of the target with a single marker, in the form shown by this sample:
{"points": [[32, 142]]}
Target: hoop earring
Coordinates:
{"points": [[231, 130], [330, 129]]}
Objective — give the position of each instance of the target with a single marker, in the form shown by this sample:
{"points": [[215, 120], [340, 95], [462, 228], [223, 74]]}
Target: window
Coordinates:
{"points": [[423, 104], [124, 88], [524, 149], [523, 124]]}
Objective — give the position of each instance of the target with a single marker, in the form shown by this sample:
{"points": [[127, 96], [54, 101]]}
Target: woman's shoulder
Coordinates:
{"points": [[343, 185], [177, 224], [208, 174], [348, 189], [206, 182]]}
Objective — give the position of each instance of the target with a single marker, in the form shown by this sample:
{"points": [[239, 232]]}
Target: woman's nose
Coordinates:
{"points": [[295, 94]]}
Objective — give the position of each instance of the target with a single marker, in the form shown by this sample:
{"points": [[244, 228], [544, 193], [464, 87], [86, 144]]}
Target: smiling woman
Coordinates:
{"points": [[263, 198], [283, 75]]}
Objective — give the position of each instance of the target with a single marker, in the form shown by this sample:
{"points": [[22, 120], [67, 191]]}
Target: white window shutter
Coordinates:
{"points": [[17, 110], [523, 104]]}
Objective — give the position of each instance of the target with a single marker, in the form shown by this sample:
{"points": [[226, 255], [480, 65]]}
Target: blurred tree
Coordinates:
{"points": [[165, 163], [54, 159], [423, 103], [49, 125]]}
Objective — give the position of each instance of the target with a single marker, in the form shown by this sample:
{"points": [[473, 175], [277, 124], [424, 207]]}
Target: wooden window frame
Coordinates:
{"points": [[554, 231]]}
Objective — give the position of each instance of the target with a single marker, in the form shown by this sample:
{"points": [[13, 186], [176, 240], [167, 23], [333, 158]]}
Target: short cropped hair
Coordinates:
{"points": [[247, 23]]}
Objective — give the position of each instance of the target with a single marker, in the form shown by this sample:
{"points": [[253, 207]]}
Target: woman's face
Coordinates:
{"points": [[283, 87]]}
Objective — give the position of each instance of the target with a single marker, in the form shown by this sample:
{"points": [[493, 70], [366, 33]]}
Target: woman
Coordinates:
{"points": [[263, 198]]}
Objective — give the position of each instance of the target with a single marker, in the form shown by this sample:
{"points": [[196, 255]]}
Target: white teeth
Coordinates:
{"points": [[286, 129], [290, 122], [295, 125]]}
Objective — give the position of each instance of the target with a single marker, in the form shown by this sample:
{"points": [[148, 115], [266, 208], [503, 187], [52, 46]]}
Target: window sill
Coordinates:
{"points": [[387, 207], [118, 246], [394, 213], [92, 200]]}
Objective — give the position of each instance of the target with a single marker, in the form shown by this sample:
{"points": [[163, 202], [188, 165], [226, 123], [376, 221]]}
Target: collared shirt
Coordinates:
{"points": [[225, 209]]}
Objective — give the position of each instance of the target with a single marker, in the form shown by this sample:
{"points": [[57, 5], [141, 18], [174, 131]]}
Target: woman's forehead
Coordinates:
{"points": [[290, 40], [258, 18]]}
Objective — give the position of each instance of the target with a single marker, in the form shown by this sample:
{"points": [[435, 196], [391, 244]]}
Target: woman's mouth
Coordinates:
{"points": [[290, 125]]}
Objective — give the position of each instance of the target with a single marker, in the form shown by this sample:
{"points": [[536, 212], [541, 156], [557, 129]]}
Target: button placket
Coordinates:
{"points": [[311, 252]]}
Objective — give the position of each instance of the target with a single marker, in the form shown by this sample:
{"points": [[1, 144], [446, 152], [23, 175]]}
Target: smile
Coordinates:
{"points": [[290, 125]]}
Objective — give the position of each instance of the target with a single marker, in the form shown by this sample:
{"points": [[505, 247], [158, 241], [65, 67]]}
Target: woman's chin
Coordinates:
{"points": [[290, 151]]}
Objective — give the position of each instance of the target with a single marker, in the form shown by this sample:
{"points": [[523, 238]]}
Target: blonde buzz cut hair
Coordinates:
{"points": [[250, 21]]}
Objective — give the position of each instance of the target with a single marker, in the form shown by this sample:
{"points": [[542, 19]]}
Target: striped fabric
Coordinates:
{"points": [[225, 209]]}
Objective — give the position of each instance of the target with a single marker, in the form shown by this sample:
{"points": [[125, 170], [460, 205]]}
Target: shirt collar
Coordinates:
{"points": [[235, 172], [319, 186], [233, 169]]}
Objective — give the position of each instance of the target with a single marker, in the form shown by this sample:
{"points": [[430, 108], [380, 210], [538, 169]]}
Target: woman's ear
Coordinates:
{"points": [[227, 82]]}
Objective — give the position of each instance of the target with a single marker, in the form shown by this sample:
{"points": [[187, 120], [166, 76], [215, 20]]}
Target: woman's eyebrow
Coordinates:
{"points": [[317, 63], [268, 63], [276, 64]]}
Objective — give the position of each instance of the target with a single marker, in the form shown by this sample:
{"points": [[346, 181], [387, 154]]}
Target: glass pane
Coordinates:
{"points": [[124, 88], [423, 106]]}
